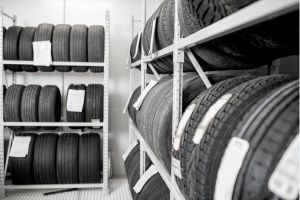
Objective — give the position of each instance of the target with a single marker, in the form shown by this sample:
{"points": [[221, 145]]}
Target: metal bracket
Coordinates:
{"points": [[154, 71]]}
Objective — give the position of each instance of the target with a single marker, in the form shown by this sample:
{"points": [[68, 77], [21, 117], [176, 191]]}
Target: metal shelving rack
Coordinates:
{"points": [[253, 14], [104, 124]]}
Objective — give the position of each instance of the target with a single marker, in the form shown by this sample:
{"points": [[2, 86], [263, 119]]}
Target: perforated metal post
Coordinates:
{"points": [[2, 175], [106, 105], [178, 59], [131, 82], [14, 74], [143, 82]]}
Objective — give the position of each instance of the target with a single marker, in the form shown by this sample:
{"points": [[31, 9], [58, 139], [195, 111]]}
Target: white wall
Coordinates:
{"points": [[89, 12]]}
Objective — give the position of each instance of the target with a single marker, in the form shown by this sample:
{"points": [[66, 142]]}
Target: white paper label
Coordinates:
{"points": [[133, 144], [42, 53], [176, 167], [137, 45], [284, 182], [230, 166], [186, 116], [152, 36], [127, 103], [128, 62], [20, 147], [143, 180], [140, 100], [95, 121], [75, 100], [211, 113]]}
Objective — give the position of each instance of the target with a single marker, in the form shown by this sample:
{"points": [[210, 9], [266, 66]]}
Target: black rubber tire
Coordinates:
{"points": [[76, 116], [128, 160], [78, 46], [203, 102], [11, 47], [206, 156], [30, 105], [49, 105], [26, 48], [89, 158], [21, 169], [44, 33], [44, 159], [94, 102], [61, 46], [12, 105], [131, 109], [275, 126], [96, 46], [67, 158]]}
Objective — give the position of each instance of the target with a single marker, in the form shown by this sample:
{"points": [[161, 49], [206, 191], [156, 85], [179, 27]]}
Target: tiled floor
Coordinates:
{"points": [[118, 187]]}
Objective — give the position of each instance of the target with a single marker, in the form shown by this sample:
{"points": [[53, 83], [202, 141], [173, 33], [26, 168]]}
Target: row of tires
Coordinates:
{"points": [[68, 158], [69, 44], [249, 48], [34, 103], [268, 129], [155, 188]]}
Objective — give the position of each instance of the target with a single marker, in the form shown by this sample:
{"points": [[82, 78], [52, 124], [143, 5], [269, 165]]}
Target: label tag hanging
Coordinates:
{"points": [[186, 116], [143, 180], [137, 45], [211, 113], [229, 168], [75, 100], [140, 100], [152, 36], [20, 147], [284, 181], [126, 154], [128, 62], [176, 167], [127, 103], [42, 53]]}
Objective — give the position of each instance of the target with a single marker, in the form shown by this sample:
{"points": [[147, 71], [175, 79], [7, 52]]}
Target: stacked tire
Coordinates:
{"points": [[58, 159], [264, 111], [32, 104], [69, 44], [155, 188]]}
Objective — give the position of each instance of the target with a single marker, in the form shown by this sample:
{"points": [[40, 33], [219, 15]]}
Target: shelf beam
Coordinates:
{"points": [[164, 52], [88, 64], [59, 124], [52, 186]]}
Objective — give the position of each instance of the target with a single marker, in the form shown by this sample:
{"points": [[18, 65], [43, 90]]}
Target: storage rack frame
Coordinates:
{"points": [[104, 124], [253, 14]]}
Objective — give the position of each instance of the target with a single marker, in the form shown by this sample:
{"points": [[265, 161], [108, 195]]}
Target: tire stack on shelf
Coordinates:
{"points": [[69, 44], [263, 111], [68, 158], [155, 188]]}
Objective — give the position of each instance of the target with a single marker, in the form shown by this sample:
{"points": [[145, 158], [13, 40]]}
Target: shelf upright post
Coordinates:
{"points": [[131, 83], [143, 83], [2, 174], [178, 59], [14, 74], [106, 104]]}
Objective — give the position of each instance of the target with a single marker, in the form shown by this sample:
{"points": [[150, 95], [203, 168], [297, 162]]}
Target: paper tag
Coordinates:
{"points": [[140, 100], [95, 121], [75, 100], [137, 45], [143, 180], [133, 144], [127, 103], [20, 147], [152, 36], [186, 116], [176, 167], [128, 62], [230, 166], [42, 53], [284, 181], [211, 113]]}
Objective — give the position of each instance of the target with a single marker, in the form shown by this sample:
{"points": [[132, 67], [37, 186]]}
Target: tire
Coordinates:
{"points": [[131, 109], [128, 160], [44, 159], [49, 105], [96, 47], [94, 102], [67, 158], [21, 169], [78, 42], [26, 48], [12, 105], [44, 33], [11, 47], [76, 116], [275, 126], [61, 46], [203, 102], [208, 157], [89, 158], [30, 104]]}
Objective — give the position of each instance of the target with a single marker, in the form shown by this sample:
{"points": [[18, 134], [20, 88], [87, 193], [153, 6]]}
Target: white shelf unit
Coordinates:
{"points": [[255, 13], [104, 124]]}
